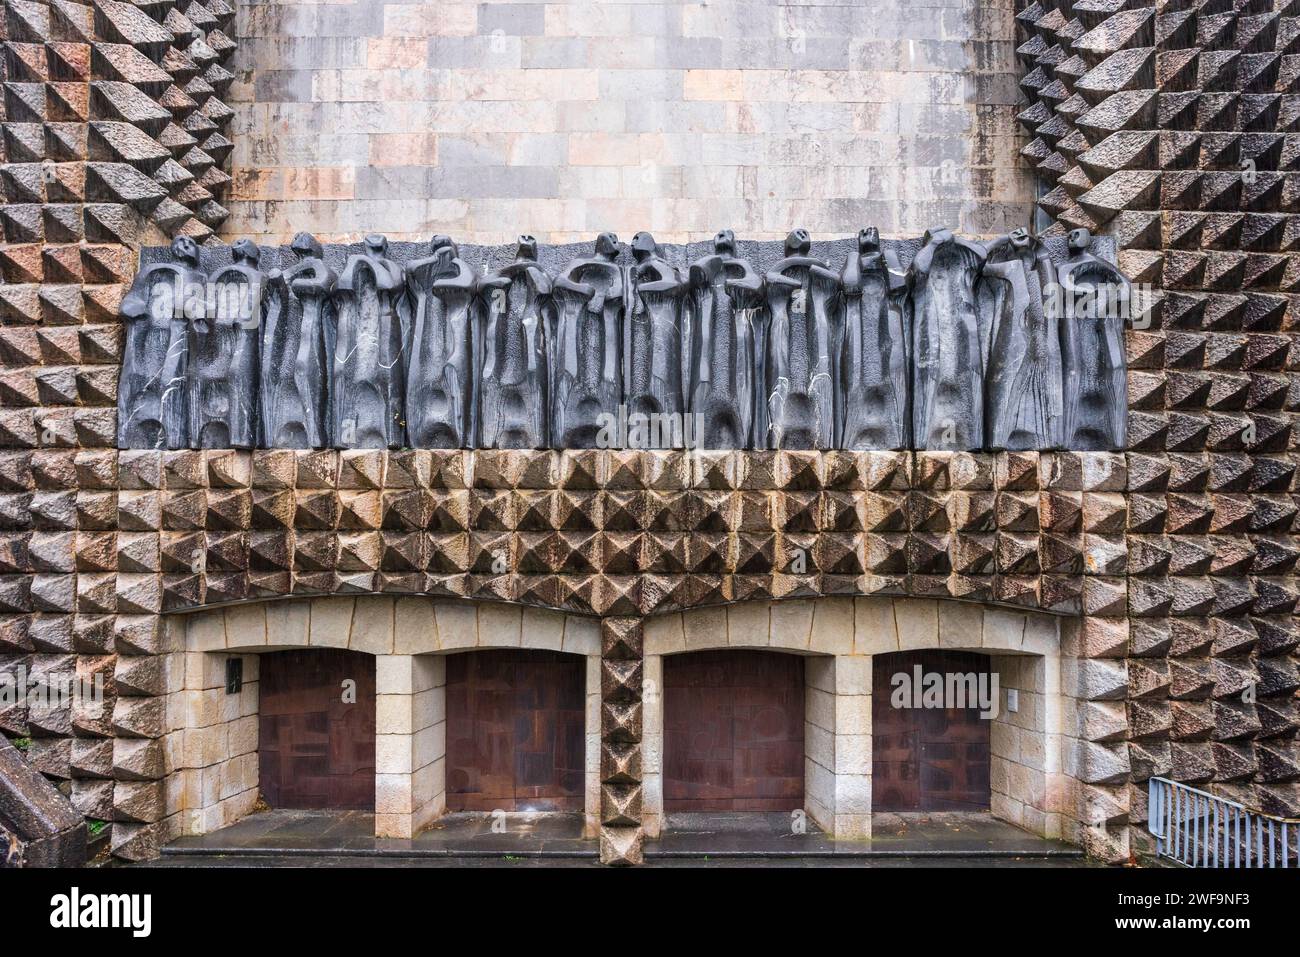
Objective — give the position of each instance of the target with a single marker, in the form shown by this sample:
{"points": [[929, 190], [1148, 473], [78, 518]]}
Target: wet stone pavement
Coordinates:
{"points": [[777, 835], [315, 833], [284, 838]]}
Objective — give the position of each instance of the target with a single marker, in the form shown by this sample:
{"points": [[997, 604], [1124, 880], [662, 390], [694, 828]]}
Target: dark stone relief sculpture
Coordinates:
{"points": [[857, 344], [874, 355], [1092, 348], [653, 334], [366, 388], [151, 394], [1022, 347], [443, 291], [223, 355], [587, 381], [298, 351], [802, 295], [513, 369], [725, 346], [947, 364]]}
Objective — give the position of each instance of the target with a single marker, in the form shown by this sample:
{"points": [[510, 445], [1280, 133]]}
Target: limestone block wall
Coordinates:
{"points": [[484, 120], [1025, 745], [212, 748], [819, 740]]}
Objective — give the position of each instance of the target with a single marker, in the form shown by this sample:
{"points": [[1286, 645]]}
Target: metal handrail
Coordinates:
{"points": [[1200, 829]]}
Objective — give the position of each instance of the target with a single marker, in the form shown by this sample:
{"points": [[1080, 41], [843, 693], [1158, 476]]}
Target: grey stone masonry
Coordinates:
{"points": [[470, 118]]}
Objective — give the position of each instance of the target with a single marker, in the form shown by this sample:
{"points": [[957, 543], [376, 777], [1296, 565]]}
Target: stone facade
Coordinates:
{"points": [[1170, 567]]}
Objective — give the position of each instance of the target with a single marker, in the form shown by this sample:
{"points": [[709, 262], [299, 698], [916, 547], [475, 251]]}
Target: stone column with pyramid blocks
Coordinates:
{"points": [[1172, 127], [622, 667]]}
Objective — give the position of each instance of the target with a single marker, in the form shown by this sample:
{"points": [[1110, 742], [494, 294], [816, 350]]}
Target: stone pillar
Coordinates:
{"points": [[410, 742], [652, 742], [591, 747], [837, 742], [621, 722]]}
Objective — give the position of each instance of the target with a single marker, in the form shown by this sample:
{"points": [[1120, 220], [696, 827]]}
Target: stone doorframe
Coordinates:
{"points": [[1041, 754], [211, 739], [1032, 785]]}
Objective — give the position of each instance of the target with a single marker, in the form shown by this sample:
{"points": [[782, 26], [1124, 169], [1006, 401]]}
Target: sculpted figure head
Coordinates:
{"points": [[607, 246], [443, 249], [185, 249], [798, 243], [724, 244], [1079, 240], [1019, 237], [245, 251], [377, 245], [643, 246], [527, 249], [868, 240], [305, 246]]}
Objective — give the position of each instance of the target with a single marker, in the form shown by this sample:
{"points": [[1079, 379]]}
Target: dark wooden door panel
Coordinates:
{"points": [[516, 734], [733, 731], [927, 759], [315, 750]]}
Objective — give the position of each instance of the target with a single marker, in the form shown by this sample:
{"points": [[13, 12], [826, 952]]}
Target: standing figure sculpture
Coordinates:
{"points": [[726, 300], [652, 349], [439, 372], [586, 378], [298, 351], [802, 294], [1095, 296], [1022, 353], [512, 377], [151, 391], [874, 355], [947, 361], [223, 355], [366, 389]]}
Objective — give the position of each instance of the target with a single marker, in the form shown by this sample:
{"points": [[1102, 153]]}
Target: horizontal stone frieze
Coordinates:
{"points": [[940, 343]]}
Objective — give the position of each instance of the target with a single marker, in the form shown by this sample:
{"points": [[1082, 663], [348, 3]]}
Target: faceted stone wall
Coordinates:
{"points": [[482, 120], [113, 129], [1174, 128], [102, 544]]}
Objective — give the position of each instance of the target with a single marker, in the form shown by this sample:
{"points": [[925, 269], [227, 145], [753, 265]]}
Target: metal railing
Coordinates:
{"points": [[1201, 830]]}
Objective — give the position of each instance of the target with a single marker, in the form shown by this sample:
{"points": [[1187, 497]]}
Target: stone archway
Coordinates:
{"points": [[316, 729], [929, 735], [733, 731], [215, 782], [516, 737], [1030, 749]]}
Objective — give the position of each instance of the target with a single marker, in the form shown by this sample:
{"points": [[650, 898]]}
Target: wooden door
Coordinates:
{"points": [[733, 731], [927, 759], [317, 750], [516, 731]]}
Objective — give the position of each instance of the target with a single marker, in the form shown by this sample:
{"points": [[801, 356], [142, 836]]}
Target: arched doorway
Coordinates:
{"points": [[931, 752], [733, 731], [516, 734], [316, 729]]}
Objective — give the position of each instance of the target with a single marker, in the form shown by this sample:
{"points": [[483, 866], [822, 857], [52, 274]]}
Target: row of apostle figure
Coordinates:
{"points": [[967, 348]]}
